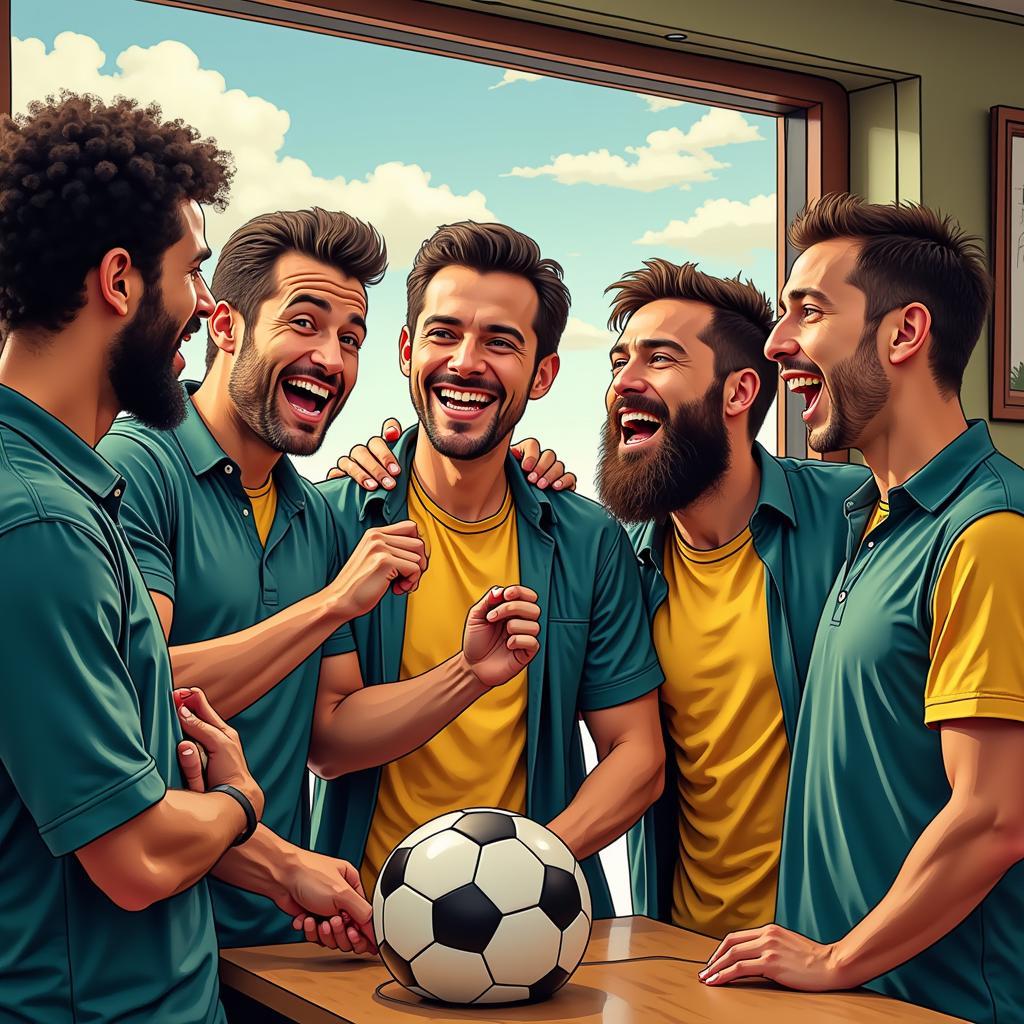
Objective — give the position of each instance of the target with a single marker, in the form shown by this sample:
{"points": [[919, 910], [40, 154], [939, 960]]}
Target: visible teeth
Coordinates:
{"points": [[802, 382], [639, 416], [465, 396], [311, 387]]}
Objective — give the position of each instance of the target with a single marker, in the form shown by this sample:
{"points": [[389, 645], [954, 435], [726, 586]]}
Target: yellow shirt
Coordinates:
{"points": [[880, 514], [725, 721], [478, 760], [264, 504]]}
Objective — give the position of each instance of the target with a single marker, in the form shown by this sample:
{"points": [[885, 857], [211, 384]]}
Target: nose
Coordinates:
{"points": [[781, 344], [630, 379], [467, 359], [204, 299], [327, 353]]}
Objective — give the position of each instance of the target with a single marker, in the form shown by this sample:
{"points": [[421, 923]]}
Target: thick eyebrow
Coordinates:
{"points": [[312, 300], [202, 255], [648, 343], [796, 294], [356, 319], [450, 321]]}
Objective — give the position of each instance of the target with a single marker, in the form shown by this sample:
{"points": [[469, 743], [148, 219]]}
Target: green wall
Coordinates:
{"points": [[960, 65]]}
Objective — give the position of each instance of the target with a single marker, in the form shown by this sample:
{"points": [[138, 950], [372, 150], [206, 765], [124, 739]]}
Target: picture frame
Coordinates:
{"points": [[1007, 363]]}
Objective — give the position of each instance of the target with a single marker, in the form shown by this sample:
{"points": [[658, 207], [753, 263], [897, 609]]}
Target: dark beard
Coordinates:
{"points": [[457, 445], [141, 364], [686, 464], [252, 387], [858, 390]]}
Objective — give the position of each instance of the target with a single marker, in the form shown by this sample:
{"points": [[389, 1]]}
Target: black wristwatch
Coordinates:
{"points": [[246, 804]]}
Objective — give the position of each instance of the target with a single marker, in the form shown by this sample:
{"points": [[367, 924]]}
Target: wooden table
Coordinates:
{"points": [[311, 985]]}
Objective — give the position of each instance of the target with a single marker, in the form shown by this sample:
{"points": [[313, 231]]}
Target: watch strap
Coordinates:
{"points": [[246, 804]]}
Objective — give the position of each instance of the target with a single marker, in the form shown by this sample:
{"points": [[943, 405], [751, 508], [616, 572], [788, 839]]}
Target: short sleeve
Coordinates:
{"points": [[977, 670], [342, 640], [621, 663], [147, 510], [70, 735]]}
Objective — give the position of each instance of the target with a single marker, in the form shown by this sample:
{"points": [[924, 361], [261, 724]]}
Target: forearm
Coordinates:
{"points": [[259, 865], [236, 670], [612, 798], [956, 861], [378, 724]]}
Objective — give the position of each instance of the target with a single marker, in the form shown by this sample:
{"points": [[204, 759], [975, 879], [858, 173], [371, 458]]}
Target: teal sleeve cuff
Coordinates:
{"points": [[597, 697]]}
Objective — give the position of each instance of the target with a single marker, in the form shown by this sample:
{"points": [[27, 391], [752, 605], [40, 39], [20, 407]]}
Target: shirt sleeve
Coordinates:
{"points": [[621, 663], [342, 640], [70, 735], [977, 637], [148, 509]]}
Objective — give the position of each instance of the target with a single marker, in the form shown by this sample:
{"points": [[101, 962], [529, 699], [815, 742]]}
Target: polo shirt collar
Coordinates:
{"points": [[530, 502], [203, 453], [59, 444], [773, 495], [936, 482]]}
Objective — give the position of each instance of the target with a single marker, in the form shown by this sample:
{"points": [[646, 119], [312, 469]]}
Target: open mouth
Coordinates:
{"points": [[463, 404], [810, 386], [308, 398], [638, 427]]}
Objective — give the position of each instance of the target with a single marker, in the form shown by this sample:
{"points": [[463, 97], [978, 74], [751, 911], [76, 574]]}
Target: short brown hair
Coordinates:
{"points": [[244, 276], [739, 328], [909, 253], [488, 248], [79, 177]]}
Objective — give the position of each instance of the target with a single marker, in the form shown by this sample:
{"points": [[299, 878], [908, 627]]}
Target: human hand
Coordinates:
{"points": [[386, 556], [373, 464], [543, 468], [500, 636]]}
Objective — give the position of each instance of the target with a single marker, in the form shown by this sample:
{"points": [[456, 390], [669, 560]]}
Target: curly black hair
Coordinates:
{"points": [[79, 177]]}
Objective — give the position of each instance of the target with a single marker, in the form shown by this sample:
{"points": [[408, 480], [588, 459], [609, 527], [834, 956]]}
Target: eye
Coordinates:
{"points": [[304, 323], [196, 274], [809, 313], [617, 364], [351, 341], [501, 343], [660, 356], [441, 333]]}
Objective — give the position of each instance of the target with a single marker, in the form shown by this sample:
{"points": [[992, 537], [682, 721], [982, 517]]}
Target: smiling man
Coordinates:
{"points": [[905, 819], [484, 318], [241, 557]]}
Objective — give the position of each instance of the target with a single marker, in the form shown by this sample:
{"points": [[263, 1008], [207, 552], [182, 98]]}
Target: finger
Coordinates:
{"points": [[554, 472], [404, 527], [566, 482], [732, 939], [753, 968], [545, 461], [407, 545], [369, 465], [523, 647], [351, 875], [392, 429], [736, 952], [530, 449], [207, 736], [199, 704], [490, 600], [339, 932], [517, 592], [384, 455], [310, 930], [327, 935], [337, 473], [191, 767], [514, 610], [297, 922], [522, 627]]}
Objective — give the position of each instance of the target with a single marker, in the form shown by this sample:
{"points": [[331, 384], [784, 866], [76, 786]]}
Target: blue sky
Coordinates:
{"points": [[411, 140]]}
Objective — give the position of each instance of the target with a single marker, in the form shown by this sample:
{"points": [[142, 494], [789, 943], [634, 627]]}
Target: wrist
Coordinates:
{"points": [[338, 608], [244, 803], [841, 963], [466, 677]]}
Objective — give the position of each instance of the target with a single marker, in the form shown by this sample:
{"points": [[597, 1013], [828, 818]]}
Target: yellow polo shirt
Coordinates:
{"points": [[264, 505], [724, 716], [478, 760]]}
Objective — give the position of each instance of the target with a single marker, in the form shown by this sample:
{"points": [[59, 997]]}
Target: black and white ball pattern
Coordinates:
{"points": [[482, 906]]}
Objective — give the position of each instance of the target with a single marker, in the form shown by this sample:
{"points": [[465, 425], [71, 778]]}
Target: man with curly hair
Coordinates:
{"points": [[105, 835]]}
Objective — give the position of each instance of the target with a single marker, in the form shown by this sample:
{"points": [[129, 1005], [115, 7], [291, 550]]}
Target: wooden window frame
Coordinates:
{"points": [[812, 113]]}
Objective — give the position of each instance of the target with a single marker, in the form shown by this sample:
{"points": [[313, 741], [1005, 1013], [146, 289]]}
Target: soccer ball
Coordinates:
{"points": [[482, 906]]}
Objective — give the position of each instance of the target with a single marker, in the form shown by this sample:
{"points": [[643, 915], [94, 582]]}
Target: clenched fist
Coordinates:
{"points": [[500, 638], [386, 556]]}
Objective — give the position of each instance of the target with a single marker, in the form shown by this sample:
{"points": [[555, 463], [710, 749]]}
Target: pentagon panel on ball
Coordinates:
{"points": [[482, 906]]}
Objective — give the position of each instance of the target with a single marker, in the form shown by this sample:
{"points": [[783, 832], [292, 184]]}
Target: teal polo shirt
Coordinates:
{"points": [[88, 740], [595, 646], [191, 526], [867, 772], [799, 533]]}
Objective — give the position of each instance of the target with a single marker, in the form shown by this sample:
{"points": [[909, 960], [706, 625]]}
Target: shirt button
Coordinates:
{"points": [[849, 504], [117, 492], [229, 470], [842, 596], [871, 544], [245, 511]]}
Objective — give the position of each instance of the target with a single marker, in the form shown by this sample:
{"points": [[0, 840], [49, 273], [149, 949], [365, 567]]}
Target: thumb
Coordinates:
{"points": [[392, 429], [493, 597], [191, 766]]}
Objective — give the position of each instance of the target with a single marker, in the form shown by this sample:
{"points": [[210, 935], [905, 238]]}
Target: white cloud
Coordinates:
{"points": [[511, 77], [720, 229], [656, 104], [398, 199], [579, 335], [671, 157]]}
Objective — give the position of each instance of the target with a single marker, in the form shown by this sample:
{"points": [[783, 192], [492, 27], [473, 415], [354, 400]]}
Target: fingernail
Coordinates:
{"points": [[532, 478], [370, 485], [388, 482], [394, 468], [490, 616], [185, 713], [543, 481], [188, 752], [712, 978], [557, 485]]}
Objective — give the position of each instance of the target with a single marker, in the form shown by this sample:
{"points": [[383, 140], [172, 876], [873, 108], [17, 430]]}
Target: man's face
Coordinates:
{"points": [[664, 442], [828, 353], [470, 359], [145, 358], [299, 361]]}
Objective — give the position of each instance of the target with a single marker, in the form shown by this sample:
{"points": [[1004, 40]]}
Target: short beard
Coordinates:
{"points": [[458, 445], [687, 463], [858, 390], [141, 364], [252, 387]]}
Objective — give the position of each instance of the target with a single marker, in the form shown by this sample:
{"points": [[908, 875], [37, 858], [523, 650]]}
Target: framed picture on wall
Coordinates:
{"points": [[1008, 263]]}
